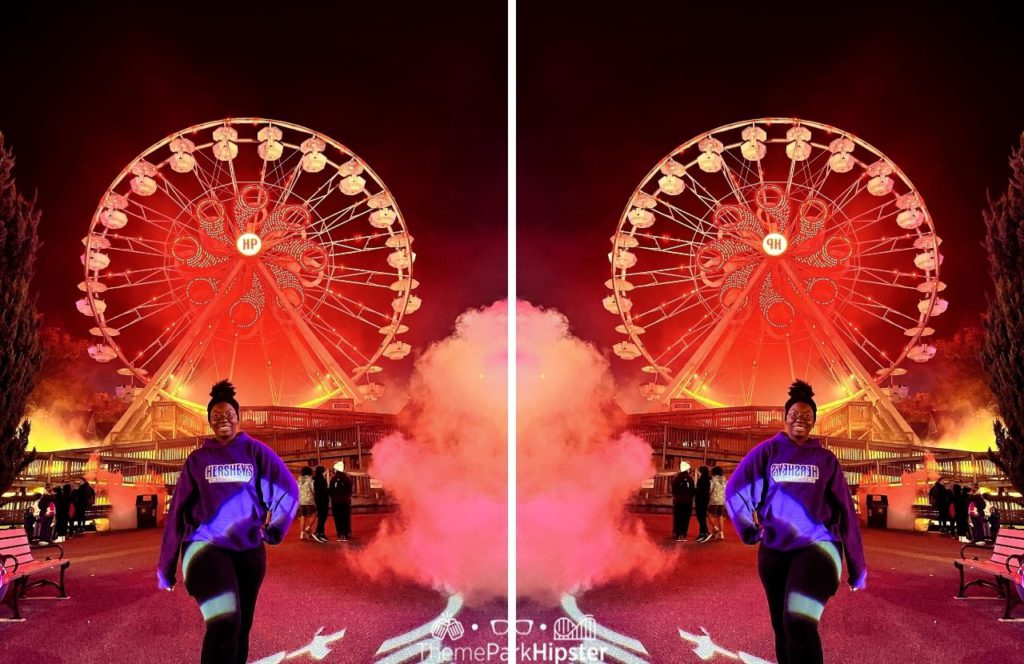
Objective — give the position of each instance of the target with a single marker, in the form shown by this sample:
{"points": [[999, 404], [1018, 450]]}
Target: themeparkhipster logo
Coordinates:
{"points": [[440, 640], [448, 628]]}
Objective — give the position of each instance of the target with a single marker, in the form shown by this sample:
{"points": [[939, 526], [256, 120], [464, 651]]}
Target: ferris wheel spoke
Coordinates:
{"points": [[283, 170], [851, 192], [341, 248], [897, 319], [685, 219], [338, 219], [175, 195], [707, 198], [322, 193], [156, 277], [141, 245], [348, 350], [675, 350], [667, 312], [889, 252], [667, 252], [860, 341], [211, 180], [870, 217], [728, 174], [675, 241], [158, 220], [340, 304], [874, 281], [164, 339], [289, 185], [745, 167], [126, 319]]}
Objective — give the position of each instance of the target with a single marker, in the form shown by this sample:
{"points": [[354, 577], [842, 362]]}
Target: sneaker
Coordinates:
{"points": [[681, 539], [704, 538], [319, 538]]}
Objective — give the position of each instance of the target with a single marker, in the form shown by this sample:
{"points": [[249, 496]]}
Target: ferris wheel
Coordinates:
{"points": [[253, 249], [772, 249]]}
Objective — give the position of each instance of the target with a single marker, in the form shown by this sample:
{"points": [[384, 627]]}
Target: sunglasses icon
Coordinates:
{"points": [[500, 627]]}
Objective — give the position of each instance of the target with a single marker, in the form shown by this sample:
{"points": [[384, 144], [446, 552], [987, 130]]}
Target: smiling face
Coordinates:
{"points": [[799, 421], [224, 421]]}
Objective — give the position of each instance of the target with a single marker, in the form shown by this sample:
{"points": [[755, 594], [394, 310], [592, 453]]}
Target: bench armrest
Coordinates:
{"points": [[983, 547], [51, 545], [4, 557], [1019, 557]]}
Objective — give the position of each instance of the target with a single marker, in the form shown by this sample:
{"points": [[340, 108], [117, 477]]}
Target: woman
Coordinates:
{"points": [[702, 499], [234, 494], [320, 499], [307, 506], [341, 502], [789, 493], [716, 506], [62, 499]]}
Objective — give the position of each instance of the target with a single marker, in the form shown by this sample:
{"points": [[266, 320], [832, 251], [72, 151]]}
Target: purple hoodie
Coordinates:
{"points": [[801, 497], [223, 496]]}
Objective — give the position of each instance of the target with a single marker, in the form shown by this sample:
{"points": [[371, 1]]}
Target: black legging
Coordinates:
{"points": [[798, 584], [681, 511], [342, 519], [225, 585], [321, 518], [702, 518]]}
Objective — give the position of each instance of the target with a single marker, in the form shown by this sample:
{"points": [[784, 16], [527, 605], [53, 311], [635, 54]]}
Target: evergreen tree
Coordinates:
{"points": [[20, 354], [1003, 350]]}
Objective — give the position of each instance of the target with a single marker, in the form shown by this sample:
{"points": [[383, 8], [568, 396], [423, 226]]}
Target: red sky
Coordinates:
{"points": [[604, 95], [418, 93]]}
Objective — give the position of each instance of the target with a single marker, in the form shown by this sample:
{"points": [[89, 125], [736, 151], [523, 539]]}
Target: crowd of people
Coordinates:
{"points": [[59, 513], [316, 495], [707, 494], [962, 512]]}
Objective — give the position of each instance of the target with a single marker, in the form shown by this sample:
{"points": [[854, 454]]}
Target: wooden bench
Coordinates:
{"points": [[18, 566], [1006, 556]]}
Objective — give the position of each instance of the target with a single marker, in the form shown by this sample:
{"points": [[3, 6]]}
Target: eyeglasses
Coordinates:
{"points": [[229, 416], [500, 627]]}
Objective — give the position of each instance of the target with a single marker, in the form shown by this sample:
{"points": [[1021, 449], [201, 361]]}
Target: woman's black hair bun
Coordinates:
{"points": [[801, 391], [224, 391]]}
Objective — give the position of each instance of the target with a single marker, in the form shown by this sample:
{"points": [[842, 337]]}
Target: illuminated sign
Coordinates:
{"points": [[249, 244], [774, 244]]}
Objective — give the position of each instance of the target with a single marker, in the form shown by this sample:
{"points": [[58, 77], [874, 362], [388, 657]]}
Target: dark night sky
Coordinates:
{"points": [[602, 96], [419, 93]]}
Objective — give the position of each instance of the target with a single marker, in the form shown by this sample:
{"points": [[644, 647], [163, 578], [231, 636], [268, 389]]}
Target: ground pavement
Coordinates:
{"points": [[116, 614]]}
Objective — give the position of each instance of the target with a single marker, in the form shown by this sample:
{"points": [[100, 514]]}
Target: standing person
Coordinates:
{"points": [[938, 497], [993, 523], [976, 512], [47, 511], [716, 506], [85, 498], [341, 502], [62, 499], [789, 494], [234, 493], [960, 510], [702, 500], [682, 502], [30, 522], [307, 504], [320, 500]]}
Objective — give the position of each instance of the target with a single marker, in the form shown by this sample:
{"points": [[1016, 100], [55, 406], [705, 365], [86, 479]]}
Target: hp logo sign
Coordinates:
{"points": [[249, 244], [774, 244]]}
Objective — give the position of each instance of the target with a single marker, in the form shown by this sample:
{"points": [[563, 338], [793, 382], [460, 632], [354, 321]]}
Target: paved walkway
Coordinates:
{"points": [[116, 614]]}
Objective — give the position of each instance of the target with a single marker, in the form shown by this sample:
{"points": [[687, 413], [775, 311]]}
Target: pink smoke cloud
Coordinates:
{"points": [[450, 475], [574, 477]]}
